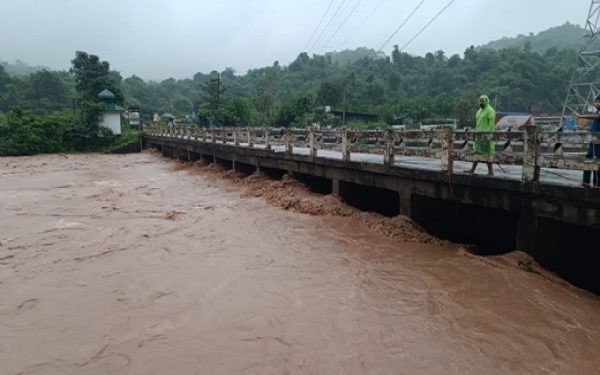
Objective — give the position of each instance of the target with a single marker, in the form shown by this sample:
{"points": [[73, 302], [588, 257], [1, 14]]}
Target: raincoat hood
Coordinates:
{"points": [[486, 100]]}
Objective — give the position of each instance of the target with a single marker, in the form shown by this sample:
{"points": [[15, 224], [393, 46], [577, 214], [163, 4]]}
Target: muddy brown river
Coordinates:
{"points": [[134, 264]]}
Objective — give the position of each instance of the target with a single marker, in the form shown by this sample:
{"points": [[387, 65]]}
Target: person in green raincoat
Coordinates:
{"points": [[485, 121]]}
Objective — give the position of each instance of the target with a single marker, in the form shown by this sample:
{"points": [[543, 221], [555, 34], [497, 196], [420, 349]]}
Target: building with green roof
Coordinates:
{"points": [[111, 116]]}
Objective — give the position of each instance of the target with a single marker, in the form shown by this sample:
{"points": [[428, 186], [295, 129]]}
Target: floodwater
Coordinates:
{"points": [[133, 264]]}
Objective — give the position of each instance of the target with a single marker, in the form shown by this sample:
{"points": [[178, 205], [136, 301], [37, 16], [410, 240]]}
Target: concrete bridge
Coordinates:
{"points": [[534, 202]]}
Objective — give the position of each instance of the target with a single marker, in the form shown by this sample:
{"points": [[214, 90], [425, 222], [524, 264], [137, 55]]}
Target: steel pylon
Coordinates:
{"points": [[585, 81]]}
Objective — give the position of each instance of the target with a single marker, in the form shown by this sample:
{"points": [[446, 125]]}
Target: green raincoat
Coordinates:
{"points": [[485, 122]]}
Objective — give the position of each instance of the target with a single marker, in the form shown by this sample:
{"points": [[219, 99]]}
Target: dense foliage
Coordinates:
{"points": [[60, 109]]}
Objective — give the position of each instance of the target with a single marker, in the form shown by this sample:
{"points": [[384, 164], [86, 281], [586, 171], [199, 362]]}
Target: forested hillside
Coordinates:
{"points": [[566, 36], [20, 68], [434, 85]]}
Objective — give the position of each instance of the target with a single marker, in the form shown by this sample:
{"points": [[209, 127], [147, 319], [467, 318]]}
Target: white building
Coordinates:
{"points": [[111, 116]]}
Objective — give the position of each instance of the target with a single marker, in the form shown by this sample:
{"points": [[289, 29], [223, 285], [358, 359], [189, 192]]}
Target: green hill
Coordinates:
{"points": [[348, 56], [19, 68], [566, 36]]}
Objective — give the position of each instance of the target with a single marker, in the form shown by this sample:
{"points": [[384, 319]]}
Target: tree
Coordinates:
{"points": [[295, 111], [236, 112], [93, 76], [330, 93], [465, 113], [47, 91], [5, 85], [26, 134], [301, 61], [4, 78], [264, 103]]}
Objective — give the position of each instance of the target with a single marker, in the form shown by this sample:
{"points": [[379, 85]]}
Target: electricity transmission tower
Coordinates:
{"points": [[585, 81]]}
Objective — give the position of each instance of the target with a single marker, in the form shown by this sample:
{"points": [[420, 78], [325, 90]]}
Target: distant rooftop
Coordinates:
{"points": [[112, 107], [106, 94]]}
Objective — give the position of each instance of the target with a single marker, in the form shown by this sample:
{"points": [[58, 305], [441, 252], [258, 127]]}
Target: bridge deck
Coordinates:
{"points": [[553, 176]]}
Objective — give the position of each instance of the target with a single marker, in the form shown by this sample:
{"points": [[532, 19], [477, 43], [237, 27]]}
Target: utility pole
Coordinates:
{"points": [[218, 89], [344, 110], [585, 81]]}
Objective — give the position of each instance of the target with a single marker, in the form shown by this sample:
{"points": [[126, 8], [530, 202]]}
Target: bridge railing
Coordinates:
{"points": [[532, 148]]}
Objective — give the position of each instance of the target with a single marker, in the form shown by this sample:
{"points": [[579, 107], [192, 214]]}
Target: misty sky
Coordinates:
{"points": [[157, 39]]}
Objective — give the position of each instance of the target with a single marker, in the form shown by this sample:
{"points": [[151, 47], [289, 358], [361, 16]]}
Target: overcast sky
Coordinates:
{"points": [[157, 39]]}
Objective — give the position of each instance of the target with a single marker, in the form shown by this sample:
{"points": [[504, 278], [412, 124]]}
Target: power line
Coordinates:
{"points": [[363, 22], [343, 23], [328, 24], [402, 24], [427, 25], [420, 31], [319, 24]]}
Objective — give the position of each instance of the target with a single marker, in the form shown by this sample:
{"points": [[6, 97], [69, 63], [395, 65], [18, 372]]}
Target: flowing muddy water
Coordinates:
{"points": [[134, 264]]}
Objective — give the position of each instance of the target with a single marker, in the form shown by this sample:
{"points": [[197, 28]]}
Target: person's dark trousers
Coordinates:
{"points": [[593, 153]]}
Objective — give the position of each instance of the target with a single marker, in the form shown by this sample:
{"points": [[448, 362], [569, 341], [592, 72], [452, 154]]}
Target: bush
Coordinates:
{"points": [[23, 133], [26, 134]]}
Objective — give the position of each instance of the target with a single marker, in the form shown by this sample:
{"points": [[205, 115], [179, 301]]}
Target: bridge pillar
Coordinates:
{"points": [[335, 187], [405, 202], [527, 226]]}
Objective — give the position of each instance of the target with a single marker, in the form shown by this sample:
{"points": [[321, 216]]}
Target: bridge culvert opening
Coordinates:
{"points": [[489, 230], [245, 169], [368, 198], [228, 164], [193, 156], [273, 173], [315, 184], [184, 155], [572, 251]]}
